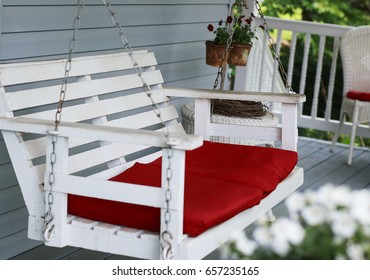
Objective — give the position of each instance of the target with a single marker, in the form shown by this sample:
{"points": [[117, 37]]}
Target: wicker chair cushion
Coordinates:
{"points": [[221, 181], [358, 95]]}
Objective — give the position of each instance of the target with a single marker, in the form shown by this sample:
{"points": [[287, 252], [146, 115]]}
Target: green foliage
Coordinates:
{"points": [[352, 12]]}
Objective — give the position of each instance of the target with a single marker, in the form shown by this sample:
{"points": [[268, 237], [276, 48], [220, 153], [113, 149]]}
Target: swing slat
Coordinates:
{"points": [[46, 95], [22, 73], [36, 147]]}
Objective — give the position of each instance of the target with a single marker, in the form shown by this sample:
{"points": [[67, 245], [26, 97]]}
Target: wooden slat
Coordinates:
{"points": [[88, 111], [110, 190], [101, 155], [36, 147], [20, 73], [48, 95]]}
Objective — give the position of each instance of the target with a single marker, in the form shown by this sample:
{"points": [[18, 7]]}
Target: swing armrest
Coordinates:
{"points": [[236, 95], [102, 133], [286, 131]]}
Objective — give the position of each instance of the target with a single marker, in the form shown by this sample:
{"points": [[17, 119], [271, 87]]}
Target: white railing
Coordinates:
{"points": [[261, 73]]}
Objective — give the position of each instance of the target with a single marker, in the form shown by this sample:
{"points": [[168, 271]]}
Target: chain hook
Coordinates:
{"points": [[49, 232], [167, 246]]}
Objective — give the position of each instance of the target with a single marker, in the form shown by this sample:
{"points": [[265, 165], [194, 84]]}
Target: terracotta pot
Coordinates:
{"points": [[216, 54], [239, 54]]}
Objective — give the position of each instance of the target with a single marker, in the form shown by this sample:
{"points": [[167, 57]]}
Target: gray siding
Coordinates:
{"points": [[40, 29]]}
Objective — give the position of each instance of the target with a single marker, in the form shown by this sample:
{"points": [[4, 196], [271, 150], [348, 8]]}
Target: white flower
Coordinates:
{"points": [[289, 230], [243, 244], [342, 196], [262, 235], [314, 215], [355, 252], [295, 202], [280, 246], [247, 247], [360, 207], [343, 225], [324, 195]]}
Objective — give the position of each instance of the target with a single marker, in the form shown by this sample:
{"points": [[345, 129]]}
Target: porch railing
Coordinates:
{"points": [[262, 72]]}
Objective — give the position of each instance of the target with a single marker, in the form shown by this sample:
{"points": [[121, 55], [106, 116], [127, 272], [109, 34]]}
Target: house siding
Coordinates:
{"points": [[38, 29]]}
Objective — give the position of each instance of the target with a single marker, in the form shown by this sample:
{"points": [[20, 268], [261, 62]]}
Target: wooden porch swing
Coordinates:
{"points": [[119, 174]]}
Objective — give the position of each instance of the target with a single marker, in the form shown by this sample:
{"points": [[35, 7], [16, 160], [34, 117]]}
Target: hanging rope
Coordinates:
{"points": [[166, 235]]}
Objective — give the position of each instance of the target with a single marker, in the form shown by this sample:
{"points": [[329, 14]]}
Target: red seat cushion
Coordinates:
{"points": [[221, 180], [359, 95]]}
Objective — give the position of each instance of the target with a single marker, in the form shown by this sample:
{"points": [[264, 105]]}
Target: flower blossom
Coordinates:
{"points": [[343, 225], [314, 215]]}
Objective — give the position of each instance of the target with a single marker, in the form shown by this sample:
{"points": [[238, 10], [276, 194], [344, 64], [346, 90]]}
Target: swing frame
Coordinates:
{"points": [[88, 234]]}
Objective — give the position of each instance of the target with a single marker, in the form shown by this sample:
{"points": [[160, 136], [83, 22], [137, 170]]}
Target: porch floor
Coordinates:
{"points": [[320, 166]]}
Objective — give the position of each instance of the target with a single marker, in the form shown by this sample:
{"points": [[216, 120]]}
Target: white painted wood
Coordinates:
{"points": [[306, 52], [120, 137], [291, 57], [236, 95], [83, 89], [289, 127], [315, 101], [89, 111], [115, 191], [20, 73], [36, 147], [202, 118], [114, 134], [276, 66]]}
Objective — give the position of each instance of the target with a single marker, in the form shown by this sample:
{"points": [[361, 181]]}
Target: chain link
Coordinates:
{"points": [[49, 228], [273, 46], [166, 235], [49, 215], [68, 64]]}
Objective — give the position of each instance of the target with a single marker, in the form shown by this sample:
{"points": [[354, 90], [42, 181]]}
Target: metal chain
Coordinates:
{"points": [[49, 215], [68, 64], [49, 228], [273, 46], [166, 235]]}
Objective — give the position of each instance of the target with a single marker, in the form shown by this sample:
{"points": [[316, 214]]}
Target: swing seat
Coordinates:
{"points": [[112, 158], [220, 182]]}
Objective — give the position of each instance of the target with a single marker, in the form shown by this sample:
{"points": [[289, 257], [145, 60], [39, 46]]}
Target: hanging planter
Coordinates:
{"points": [[239, 54], [216, 55], [236, 30]]}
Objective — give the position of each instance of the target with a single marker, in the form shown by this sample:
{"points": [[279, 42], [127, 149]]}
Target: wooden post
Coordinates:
{"points": [[202, 118], [289, 126]]}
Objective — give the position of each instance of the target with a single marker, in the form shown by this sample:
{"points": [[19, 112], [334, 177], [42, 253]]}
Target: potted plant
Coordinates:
{"points": [[233, 40], [329, 223], [217, 51]]}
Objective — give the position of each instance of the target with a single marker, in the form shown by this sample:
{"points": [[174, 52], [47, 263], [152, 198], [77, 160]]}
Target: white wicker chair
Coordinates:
{"points": [[355, 53]]}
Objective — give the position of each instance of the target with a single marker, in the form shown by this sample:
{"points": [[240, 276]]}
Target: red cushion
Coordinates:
{"points": [[359, 95], [220, 181]]}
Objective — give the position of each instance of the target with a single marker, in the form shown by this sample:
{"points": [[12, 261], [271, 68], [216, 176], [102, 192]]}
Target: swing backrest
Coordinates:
{"points": [[103, 90]]}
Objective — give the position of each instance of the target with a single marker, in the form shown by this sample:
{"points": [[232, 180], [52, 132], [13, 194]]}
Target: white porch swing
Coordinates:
{"points": [[94, 179]]}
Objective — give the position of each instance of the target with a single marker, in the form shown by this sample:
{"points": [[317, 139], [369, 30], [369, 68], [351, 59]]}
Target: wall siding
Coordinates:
{"points": [[40, 29]]}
